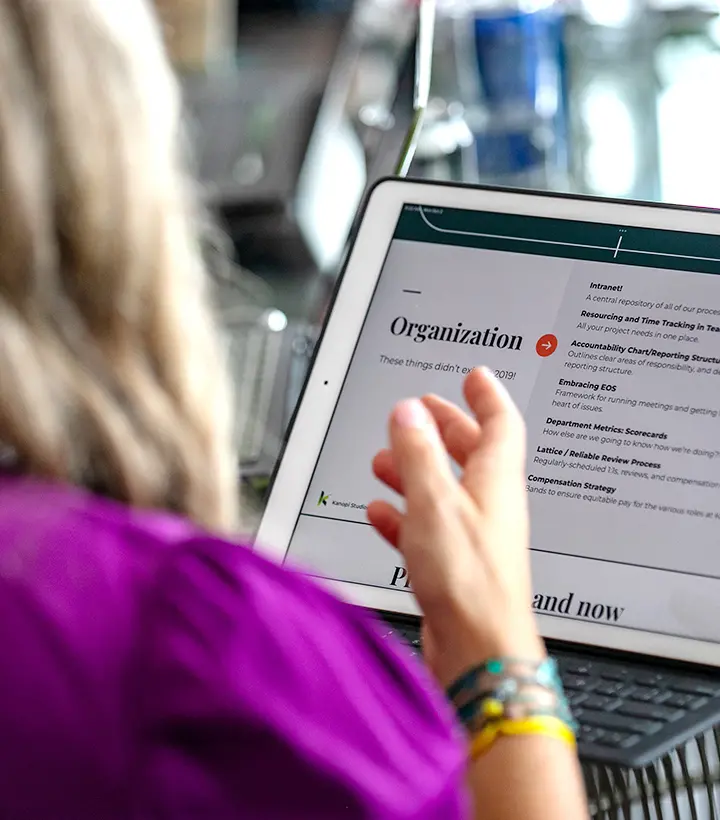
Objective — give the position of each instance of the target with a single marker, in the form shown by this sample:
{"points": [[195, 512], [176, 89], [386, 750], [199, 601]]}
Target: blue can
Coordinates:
{"points": [[520, 64]]}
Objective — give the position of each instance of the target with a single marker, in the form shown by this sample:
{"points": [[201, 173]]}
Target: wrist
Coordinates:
{"points": [[472, 647], [516, 643]]}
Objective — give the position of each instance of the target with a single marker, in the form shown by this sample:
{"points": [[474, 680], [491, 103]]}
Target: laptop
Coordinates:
{"points": [[603, 320]]}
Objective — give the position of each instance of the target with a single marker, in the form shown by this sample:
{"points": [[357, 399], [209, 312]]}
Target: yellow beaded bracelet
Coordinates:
{"points": [[545, 725]]}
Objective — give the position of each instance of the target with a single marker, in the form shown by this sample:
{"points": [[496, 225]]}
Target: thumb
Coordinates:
{"points": [[420, 457]]}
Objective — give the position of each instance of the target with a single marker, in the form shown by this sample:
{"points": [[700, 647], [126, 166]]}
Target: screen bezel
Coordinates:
{"points": [[337, 345]]}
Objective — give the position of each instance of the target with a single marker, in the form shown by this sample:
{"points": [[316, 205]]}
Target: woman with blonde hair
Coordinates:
{"points": [[151, 666]]}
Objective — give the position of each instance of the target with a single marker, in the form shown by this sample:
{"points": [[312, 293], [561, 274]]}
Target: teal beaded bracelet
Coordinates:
{"points": [[509, 688]]}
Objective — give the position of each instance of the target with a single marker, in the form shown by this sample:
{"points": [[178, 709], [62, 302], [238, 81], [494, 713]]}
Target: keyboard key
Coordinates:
{"points": [[574, 668], [692, 687], [685, 701], [627, 690], [595, 701], [416, 642], [577, 698], [590, 734], [610, 689], [617, 739], [645, 694], [649, 679], [614, 674], [649, 711], [663, 696], [679, 701], [615, 689], [577, 682], [630, 740], [620, 723]]}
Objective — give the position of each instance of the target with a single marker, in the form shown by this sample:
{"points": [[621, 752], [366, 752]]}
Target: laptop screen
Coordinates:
{"points": [[608, 338]]}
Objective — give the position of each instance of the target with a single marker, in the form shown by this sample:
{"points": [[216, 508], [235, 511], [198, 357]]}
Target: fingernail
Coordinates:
{"points": [[412, 413], [498, 386], [491, 377]]}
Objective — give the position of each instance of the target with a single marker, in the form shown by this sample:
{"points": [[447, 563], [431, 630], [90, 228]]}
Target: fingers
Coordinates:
{"points": [[459, 432], [386, 520], [501, 447], [419, 456], [384, 470], [495, 411]]}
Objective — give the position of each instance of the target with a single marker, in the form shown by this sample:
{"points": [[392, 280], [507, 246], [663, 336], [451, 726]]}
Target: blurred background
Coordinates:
{"points": [[296, 106]]}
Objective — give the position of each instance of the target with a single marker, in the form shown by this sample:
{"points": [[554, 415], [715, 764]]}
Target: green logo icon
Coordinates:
{"points": [[323, 500]]}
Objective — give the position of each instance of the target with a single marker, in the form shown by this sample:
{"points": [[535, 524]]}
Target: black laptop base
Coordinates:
{"points": [[631, 710]]}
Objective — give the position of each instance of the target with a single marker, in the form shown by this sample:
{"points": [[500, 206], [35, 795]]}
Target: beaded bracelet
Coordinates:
{"points": [[512, 696]]}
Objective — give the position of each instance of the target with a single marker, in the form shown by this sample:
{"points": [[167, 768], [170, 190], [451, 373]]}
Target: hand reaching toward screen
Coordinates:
{"points": [[465, 542]]}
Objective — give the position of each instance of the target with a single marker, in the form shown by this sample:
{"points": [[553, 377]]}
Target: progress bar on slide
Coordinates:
{"points": [[614, 250]]}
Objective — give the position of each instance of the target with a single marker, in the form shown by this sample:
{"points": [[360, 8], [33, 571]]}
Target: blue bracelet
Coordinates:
{"points": [[498, 690], [546, 674]]}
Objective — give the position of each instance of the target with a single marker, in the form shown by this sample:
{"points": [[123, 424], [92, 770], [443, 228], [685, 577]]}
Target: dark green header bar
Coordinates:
{"points": [[566, 239]]}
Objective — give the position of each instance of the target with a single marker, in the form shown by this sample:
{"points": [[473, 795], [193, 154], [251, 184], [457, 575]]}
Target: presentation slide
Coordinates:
{"points": [[616, 368]]}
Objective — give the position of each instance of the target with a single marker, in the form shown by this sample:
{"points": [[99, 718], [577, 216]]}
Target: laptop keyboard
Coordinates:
{"points": [[627, 714], [619, 707]]}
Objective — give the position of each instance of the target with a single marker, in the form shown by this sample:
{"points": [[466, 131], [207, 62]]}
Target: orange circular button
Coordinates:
{"points": [[546, 345]]}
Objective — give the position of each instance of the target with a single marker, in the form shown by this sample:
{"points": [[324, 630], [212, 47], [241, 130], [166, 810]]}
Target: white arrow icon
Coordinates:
{"points": [[547, 345]]}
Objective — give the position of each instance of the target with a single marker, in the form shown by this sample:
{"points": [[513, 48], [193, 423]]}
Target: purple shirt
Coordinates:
{"points": [[148, 670]]}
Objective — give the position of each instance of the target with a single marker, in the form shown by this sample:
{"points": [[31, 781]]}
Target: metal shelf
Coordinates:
{"points": [[682, 785]]}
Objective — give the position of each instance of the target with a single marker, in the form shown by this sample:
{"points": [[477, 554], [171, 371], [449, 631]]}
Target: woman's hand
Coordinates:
{"points": [[465, 542]]}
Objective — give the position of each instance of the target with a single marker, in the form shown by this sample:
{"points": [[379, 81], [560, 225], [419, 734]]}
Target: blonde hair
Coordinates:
{"points": [[112, 370]]}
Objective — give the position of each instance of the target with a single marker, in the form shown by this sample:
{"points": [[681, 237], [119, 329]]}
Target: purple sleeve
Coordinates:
{"points": [[264, 697]]}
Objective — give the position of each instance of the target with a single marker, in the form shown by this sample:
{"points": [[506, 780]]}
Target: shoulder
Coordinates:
{"points": [[244, 655], [237, 669], [75, 575]]}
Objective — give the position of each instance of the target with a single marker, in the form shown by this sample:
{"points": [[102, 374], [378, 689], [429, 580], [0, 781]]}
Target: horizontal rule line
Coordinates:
{"points": [[610, 249], [548, 552]]}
